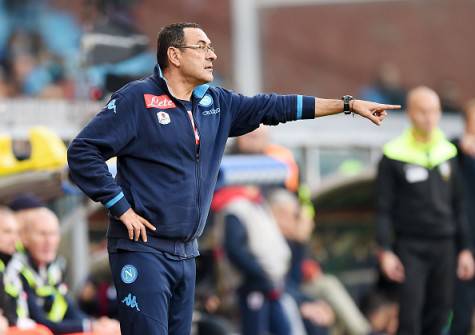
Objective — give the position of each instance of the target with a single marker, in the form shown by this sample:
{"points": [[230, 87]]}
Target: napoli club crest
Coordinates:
{"points": [[129, 274]]}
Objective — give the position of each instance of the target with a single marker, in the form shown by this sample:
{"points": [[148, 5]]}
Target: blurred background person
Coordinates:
{"points": [[324, 291], [13, 300], [256, 248], [422, 229], [42, 275], [465, 289], [387, 87], [317, 315]]}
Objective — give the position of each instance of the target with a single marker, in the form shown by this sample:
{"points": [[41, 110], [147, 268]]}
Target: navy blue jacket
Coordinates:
{"points": [[161, 172]]}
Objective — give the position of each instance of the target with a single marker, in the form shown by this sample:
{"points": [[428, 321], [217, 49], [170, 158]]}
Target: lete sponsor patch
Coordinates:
{"points": [[158, 101]]}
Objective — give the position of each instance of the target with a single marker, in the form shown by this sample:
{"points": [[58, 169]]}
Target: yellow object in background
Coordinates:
{"points": [[47, 152]]}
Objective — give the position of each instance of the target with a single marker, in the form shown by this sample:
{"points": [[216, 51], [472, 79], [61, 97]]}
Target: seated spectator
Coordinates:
{"points": [[13, 308], [305, 278], [42, 276], [296, 227]]}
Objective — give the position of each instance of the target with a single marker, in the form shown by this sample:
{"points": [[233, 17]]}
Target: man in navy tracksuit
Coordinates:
{"points": [[168, 132]]}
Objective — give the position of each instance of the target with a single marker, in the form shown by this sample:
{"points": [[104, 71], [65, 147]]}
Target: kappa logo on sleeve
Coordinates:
{"points": [[111, 106], [158, 101]]}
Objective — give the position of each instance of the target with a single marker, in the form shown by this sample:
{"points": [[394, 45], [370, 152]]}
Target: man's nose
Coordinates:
{"points": [[212, 55]]}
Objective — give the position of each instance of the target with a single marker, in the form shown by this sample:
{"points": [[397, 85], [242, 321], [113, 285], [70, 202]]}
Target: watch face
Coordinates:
{"points": [[346, 103]]}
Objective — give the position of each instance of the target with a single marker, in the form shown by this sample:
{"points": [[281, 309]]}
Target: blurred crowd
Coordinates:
{"points": [[94, 54]]}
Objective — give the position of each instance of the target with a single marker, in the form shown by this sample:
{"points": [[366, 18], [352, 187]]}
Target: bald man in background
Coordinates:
{"points": [[422, 230], [42, 275]]}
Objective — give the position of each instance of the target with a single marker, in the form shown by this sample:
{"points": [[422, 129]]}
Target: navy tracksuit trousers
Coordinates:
{"points": [[155, 293]]}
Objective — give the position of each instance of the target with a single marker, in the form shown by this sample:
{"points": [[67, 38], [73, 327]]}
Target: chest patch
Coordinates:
{"points": [[158, 101], [163, 118], [415, 174]]}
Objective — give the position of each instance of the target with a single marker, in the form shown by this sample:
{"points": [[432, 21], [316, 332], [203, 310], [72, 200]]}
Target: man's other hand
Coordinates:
{"points": [[136, 225]]}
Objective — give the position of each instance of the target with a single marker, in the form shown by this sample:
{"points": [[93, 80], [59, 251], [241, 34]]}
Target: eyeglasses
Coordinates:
{"points": [[202, 47]]}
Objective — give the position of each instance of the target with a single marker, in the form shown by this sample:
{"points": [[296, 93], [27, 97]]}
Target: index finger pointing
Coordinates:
{"points": [[389, 107]]}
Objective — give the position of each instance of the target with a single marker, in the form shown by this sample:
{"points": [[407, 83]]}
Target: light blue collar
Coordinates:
{"points": [[199, 91]]}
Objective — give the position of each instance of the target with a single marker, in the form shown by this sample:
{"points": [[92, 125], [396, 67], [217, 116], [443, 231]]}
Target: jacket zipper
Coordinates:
{"points": [[197, 166]]}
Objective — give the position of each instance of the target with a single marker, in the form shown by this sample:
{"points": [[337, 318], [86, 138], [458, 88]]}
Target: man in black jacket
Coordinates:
{"points": [[421, 223]]}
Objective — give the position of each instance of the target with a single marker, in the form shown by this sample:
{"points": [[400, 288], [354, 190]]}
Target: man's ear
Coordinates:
{"points": [[174, 56]]}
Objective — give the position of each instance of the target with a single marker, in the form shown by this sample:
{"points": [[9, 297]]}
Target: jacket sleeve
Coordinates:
{"points": [[236, 247], [385, 188], [107, 135], [269, 109], [463, 234]]}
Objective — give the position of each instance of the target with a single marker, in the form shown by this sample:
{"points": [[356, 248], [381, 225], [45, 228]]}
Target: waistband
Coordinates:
{"points": [[174, 248]]}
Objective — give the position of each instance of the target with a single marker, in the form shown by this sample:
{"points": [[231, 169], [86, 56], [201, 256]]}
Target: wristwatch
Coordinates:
{"points": [[346, 104]]}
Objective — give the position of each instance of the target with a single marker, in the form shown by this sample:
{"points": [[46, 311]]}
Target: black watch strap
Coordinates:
{"points": [[346, 104]]}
